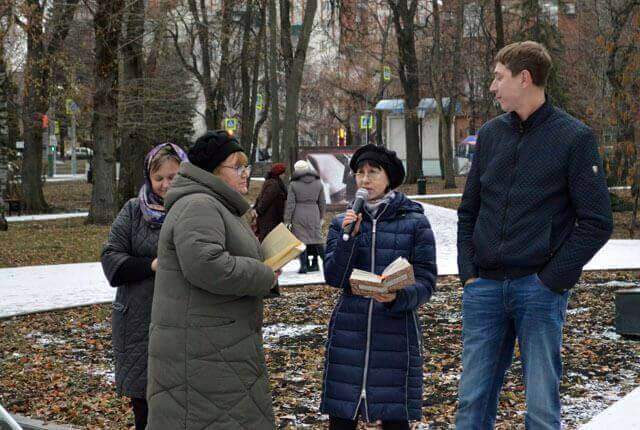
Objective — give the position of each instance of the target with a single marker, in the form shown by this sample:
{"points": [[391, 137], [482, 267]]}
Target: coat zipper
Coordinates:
{"points": [[415, 323], [363, 392]]}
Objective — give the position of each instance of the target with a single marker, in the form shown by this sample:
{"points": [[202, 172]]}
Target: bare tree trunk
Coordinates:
{"points": [[36, 91], [446, 87], [134, 143], [382, 85], [34, 106], [497, 11], [107, 34], [250, 85], [4, 125], [246, 121], [214, 118], [294, 76], [260, 45], [273, 82], [404, 17]]}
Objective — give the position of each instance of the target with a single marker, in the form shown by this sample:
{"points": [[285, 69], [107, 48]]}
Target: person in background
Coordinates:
{"points": [[305, 209], [268, 211], [206, 360], [373, 358], [129, 263]]}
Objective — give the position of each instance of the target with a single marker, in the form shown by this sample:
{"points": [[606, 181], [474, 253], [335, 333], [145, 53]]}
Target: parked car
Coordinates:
{"points": [[82, 153]]}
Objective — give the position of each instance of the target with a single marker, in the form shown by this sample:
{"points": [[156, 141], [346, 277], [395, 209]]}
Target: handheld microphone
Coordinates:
{"points": [[358, 204]]}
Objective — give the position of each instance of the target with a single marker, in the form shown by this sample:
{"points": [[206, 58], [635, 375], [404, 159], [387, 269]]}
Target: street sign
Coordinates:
{"points": [[56, 128], [367, 122], [231, 124], [71, 106], [386, 73]]}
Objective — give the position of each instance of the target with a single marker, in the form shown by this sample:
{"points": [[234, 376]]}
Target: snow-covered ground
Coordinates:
{"points": [[621, 415], [39, 288], [46, 217]]}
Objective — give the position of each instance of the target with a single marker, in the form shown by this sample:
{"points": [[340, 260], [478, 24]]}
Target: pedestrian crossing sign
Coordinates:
{"points": [[231, 124]]}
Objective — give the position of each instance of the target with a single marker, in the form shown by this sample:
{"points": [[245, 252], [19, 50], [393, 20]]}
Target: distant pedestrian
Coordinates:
{"points": [[269, 206], [305, 210], [129, 263]]}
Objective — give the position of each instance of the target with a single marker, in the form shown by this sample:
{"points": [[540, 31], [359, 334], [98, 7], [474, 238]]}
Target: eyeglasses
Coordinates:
{"points": [[240, 170], [373, 175]]}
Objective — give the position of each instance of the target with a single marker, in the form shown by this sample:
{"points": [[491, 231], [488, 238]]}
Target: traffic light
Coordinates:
{"points": [[342, 137]]}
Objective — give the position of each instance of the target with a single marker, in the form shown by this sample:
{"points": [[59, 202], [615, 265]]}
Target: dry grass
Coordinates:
{"points": [[51, 242]]}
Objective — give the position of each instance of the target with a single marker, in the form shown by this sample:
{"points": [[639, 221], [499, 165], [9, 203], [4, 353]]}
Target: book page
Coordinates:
{"points": [[397, 265], [281, 246], [361, 275]]}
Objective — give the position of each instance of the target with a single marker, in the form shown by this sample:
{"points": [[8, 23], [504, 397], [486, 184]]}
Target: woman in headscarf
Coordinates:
{"points": [[206, 362], [269, 206], [373, 364], [129, 263]]}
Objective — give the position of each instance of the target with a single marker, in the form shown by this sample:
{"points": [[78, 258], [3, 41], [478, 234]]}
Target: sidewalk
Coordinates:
{"points": [[39, 288], [621, 415]]}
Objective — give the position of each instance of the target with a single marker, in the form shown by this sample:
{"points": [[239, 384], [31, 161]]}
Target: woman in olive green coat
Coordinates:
{"points": [[206, 362]]}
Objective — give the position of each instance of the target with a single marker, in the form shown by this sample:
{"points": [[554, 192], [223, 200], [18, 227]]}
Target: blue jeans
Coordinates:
{"points": [[494, 315]]}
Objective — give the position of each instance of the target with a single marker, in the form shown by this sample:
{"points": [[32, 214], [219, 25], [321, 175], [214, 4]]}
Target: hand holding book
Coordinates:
{"points": [[395, 277]]}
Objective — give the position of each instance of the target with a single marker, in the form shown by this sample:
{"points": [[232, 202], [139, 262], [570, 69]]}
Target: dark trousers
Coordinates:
{"points": [[140, 412], [343, 424]]}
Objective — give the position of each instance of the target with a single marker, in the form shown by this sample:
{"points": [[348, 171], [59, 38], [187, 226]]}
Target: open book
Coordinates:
{"points": [[396, 276], [280, 247]]}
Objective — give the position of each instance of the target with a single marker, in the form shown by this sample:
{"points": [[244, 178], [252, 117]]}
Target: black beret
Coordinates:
{"points": [[387, 159], [212, 148]]}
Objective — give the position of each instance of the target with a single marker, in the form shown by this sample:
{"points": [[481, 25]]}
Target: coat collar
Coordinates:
{"points": [[534, 120]]}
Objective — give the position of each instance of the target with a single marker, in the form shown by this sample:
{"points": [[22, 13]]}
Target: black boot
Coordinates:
{"points": [[313, 253], [304, 263]]}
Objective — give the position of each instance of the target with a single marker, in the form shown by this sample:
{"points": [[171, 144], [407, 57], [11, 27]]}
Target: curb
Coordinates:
{"points": [[32, 424]]}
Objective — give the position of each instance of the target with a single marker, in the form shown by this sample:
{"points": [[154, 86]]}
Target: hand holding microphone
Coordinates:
{"points": [[353, 217]]}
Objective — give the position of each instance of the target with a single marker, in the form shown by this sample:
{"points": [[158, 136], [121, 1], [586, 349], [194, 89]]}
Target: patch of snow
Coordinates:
{"points": [[46, 217], [45, 339], [619, 284], [107, 374], [273, 333], [610, 333], [576, 311]]}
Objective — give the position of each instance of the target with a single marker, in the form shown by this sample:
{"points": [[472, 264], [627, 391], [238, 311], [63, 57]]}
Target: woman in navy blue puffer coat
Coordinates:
{"points": [[373, 362]]}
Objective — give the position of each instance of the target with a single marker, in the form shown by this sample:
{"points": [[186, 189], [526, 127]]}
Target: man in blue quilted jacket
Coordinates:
{"points": [[534, 211]]}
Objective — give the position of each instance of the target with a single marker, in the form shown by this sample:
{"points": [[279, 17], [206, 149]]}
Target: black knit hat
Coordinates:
{"points": [[212, 148], [387, 159]]}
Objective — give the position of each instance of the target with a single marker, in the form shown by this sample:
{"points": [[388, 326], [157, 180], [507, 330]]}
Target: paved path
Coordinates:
{"points": [[39, 288], [621, 415]]}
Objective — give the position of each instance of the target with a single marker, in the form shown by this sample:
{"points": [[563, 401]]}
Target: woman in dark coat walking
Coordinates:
{"points": [[373, 361], [269, 206], [129, 263]]}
